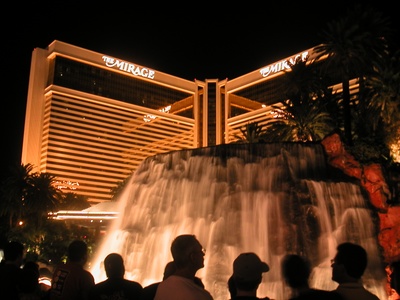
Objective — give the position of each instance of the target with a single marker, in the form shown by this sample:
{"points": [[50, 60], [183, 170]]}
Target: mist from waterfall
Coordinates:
{"points": [[271, 199]]}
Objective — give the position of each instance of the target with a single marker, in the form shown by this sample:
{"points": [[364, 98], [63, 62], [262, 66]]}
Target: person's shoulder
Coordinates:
{"points": [[10, 268], [98, 289], [373, 296], [101, 283], [10, 272], [333, 295], [149, 291], [315, 294], [170, 280], [133, 284], [98, 286], [349, 289], [87, 273], [63, 267], [151, 286], [87, 277]]}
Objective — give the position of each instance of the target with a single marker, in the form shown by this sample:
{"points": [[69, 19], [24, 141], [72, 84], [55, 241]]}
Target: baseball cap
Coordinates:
{"points": [[248, 267]]}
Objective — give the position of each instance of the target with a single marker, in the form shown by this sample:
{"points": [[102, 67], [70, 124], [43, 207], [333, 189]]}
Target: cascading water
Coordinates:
{"points": [[271, 199]]}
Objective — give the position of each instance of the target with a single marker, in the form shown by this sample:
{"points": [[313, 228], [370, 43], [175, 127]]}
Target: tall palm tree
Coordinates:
{"points": [[304, 115], [353, 44], [383, 88], [13, 192]]}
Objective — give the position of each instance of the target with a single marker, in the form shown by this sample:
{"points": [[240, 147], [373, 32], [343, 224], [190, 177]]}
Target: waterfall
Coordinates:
{"points": [[271, 199]]}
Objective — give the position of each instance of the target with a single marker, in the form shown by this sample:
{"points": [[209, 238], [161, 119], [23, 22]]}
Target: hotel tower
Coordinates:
{"points": [[91, 118]]}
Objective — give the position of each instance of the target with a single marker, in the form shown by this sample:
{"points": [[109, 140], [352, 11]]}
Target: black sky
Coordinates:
{"points": [[196, 40]]}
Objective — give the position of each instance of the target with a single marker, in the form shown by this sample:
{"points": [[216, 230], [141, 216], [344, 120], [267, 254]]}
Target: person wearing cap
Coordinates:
{"points": [[247, 276], [188, 255], [115, 286]]}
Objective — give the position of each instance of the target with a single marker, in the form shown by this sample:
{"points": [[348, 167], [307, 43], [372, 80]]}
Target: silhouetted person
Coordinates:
{"points": [[115, 286], [348, 266], [30, 286], [296, 271], [247, 276], [149, 291], [10, 270], [395, 276], [188, 255], [71, 280], [231, 287]]}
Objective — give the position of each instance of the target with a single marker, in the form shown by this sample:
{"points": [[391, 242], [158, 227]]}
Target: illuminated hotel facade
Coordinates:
{"points": [[91, 119]]}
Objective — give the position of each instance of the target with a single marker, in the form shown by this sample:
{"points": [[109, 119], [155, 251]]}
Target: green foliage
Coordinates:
{"points": [[353, 44], [26, 199], [251, 133], [304, 116], [73, 201]]}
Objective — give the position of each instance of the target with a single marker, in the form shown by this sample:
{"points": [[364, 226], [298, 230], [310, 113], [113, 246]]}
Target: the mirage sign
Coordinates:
{"points": [[283, 64], [128, 67]]}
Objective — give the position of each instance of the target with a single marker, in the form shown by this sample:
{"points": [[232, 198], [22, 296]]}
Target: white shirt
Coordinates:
{"points": [[181, 288]]}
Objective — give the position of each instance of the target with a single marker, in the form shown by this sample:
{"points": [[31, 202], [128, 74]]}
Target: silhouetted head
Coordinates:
{"points": [[247, 271], [114, 265], [296, 270], [352, 259], [14, 251], [187, 252], [169, 269], [77, 251]]}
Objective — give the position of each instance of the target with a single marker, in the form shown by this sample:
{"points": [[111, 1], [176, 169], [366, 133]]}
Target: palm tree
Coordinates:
{"points": [[373, 140], [304, 122], [250, 133], [72, 201], [42, 196], [13, 192], [383, 89], [353, 44], [304, 115]]}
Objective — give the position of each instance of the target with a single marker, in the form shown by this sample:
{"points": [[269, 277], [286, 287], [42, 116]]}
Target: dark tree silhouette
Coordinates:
{"points": [[353, 45]]}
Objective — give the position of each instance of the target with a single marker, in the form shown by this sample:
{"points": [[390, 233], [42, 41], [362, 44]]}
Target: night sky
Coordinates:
{"points": [[198, 41]]}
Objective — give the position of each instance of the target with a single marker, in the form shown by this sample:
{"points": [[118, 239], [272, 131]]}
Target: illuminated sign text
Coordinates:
{"points": [[283, 64], [128, 67], [148, 118]]}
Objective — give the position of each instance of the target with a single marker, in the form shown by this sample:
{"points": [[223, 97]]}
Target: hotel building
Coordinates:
{"points": [[91, 119]]}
